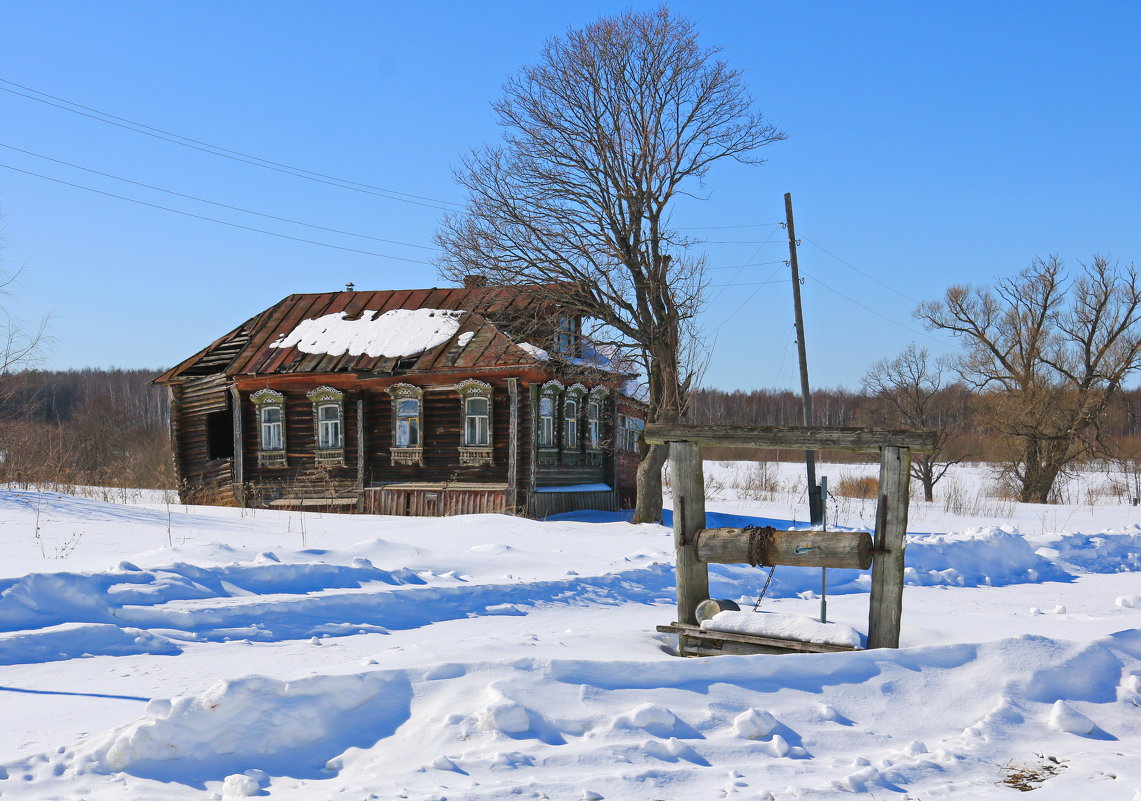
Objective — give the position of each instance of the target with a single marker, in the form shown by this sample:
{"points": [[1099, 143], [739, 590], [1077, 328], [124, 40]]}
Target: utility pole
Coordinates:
{"points": [[815, 504]]}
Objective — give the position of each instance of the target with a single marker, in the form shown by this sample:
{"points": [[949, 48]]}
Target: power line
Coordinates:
{"points": [[861, 272], [873, 311], [217, 150], [751, 264], [214, 202], [754, 283], [212, 219], [726, 227], [726, 241]]}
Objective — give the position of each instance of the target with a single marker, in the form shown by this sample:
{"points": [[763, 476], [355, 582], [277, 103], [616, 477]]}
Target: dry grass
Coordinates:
{"points": [[853, 486]]}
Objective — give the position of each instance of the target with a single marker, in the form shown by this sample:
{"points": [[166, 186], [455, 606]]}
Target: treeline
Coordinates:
{"points": [[111, 427], [97, 427]]}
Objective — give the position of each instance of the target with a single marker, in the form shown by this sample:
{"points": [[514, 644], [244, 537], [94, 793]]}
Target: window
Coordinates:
{"points": [[546, 422], [476, 422], [271, 439], [475, 440], [630, 432], [549, 395], [407, 424], [566, 338], [572, 407], [270, 407], [593, 424], [329, 426], [328, 421], [570, 423], [220, 435], [594, 418]]}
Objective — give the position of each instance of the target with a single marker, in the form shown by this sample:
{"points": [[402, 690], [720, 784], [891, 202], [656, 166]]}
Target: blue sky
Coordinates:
{"points": [[929, 144]]}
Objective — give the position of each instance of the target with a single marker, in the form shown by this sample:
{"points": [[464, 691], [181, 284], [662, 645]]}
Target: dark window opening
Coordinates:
{"points": [[220, 435]]}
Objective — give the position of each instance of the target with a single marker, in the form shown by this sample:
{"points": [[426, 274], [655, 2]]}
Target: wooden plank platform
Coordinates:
{"points": [[303, 503], [696, 641]]}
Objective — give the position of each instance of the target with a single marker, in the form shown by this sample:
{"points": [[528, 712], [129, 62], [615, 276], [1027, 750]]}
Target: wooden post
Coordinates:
{"points": [[689, 518], [815, 505], [362, 453], [890, 542], [513, 445]]}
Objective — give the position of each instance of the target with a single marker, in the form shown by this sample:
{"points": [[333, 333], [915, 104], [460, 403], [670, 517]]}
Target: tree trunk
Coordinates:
{"points": [[649, 507]]}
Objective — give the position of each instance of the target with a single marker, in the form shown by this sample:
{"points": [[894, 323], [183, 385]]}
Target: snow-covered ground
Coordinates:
{"points": [[151, 650]]}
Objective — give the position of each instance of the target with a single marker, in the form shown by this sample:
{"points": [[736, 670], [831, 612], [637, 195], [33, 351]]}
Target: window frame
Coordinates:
{"points": [[572, 430], [325, 397], [264, 400], [406, 454], [548, 446], [594, 423], [475, 454]]}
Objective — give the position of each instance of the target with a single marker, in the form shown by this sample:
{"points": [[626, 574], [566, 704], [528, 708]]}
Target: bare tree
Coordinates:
{"points": [[1046, 355], [615, 122], [911, 391]]}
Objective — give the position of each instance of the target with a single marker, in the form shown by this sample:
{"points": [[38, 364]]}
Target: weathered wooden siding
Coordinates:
{"points": [[442, 424], [301, 477], [435, 500], [201, 479], [545, 504]]}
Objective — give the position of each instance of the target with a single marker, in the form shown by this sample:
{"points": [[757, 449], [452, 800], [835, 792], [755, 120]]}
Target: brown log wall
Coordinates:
{"points": [[200, 478]]}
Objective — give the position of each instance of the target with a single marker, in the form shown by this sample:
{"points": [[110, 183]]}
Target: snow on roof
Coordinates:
{"points": [[400, 332], [534, 350]]}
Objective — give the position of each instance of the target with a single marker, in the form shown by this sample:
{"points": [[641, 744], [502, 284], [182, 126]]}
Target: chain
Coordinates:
{"points": [[760, 537]]}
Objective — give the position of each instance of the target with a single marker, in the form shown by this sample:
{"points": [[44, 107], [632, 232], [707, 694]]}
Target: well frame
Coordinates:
{"points": [[893, 497]]}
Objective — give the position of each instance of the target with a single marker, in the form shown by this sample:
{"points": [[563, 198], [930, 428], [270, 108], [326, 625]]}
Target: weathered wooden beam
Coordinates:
{"points": [[689, 518], [886, 605], [780, 645], [798, 437], [767, 546]]}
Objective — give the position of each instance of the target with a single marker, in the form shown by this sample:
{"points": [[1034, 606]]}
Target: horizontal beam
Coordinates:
{"points": [[767, 546], [798, 437]]}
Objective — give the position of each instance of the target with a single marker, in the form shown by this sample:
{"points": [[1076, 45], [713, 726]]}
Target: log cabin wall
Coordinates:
{"points": [[301, 477], [441, 435], [203, 464], [625, 460]]}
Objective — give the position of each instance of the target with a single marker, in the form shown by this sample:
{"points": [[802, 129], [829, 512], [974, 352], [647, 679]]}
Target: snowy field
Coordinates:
{"points": [[150, 650]]}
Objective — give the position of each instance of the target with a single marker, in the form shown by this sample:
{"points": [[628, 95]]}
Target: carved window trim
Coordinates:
{"points": [[323, 398], [265, 400], [572, 430], [594, 418], [474, 453], [547, 436], [407, 454]]}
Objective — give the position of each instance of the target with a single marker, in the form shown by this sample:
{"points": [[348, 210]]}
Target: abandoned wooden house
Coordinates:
{"points": [[407, 402]]}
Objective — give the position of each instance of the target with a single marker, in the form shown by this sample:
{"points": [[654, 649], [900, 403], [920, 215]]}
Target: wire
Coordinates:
{"points": [[234, 155], [726, 227], [873, 311], [212, 219], [751, 264], [757, 283], [861, 272], [214, 202], [760, 242]]}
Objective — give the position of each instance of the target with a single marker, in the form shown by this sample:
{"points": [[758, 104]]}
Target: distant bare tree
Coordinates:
{"points": [[1046, 356], [600, 137], [911, 391]]}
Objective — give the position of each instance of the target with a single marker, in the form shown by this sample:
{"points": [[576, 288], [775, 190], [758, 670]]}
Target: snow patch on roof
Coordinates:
{"points": [[396, 333], [534, 350]]}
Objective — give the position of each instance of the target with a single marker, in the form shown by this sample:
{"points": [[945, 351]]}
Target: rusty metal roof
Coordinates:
{"points": [[247, 349]]}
